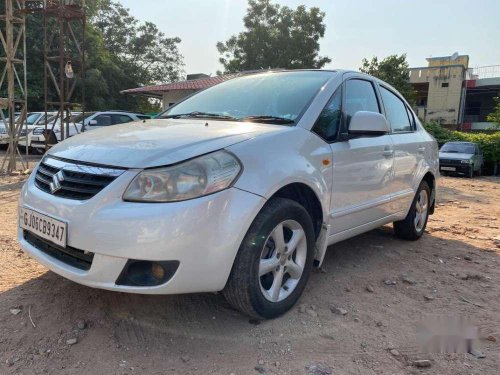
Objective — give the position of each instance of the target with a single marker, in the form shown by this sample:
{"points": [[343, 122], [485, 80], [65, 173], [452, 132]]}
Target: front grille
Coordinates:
{"points": [[73, 181], [450, 161], [76, 258]]}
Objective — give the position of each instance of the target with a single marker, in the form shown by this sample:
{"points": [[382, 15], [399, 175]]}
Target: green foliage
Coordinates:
{"points": [[121, 53], [495, 115], [489, 143], [275, 37], [394, 70]]}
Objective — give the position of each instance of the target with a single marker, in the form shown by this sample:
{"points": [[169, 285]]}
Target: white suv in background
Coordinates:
{"points": [[239, 188], [89, 121]]}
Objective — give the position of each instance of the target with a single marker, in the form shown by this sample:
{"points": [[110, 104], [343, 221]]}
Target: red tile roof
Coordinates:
{"points": [[194, 84]]}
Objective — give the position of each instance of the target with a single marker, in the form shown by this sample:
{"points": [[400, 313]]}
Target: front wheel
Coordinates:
{"points": [[413, 226], [274, 261]]}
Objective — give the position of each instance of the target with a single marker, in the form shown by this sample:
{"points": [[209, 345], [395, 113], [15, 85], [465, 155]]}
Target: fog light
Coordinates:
{"points": [[157, 271], [146, 273]]}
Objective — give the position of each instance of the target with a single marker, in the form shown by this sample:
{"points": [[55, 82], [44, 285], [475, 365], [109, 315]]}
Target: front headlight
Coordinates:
{"points": [[191, 179], [468, 161]]}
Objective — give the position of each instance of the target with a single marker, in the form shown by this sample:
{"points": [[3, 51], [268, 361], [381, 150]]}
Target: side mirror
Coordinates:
{"points": [[368, 123], [93, 123]]}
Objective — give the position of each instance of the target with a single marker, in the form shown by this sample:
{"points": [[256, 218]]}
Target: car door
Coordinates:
{"points": [[362, 166], [409, 148]]}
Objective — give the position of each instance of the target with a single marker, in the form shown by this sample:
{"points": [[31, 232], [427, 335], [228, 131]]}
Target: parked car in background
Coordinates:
{"points": [[240, 188], [80, 122], [4, 138], [34, 119], [464, 158]]}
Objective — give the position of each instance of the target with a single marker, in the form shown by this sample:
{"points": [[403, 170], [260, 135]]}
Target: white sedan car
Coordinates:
{"points": [[239, 188]]}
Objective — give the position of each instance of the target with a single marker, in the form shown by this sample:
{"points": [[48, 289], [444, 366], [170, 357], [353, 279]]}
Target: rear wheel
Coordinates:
{"points": [[413, 226], [274, 261]]}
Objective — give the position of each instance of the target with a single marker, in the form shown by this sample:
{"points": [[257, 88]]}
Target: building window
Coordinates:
{"points": [[445, 84]]}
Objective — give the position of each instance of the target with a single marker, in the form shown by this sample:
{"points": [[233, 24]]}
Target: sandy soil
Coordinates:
{"points": [[453, 269]]}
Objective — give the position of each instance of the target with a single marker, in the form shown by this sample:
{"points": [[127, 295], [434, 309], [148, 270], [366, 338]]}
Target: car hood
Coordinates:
{"points": [[455, 156], [156, 143]]}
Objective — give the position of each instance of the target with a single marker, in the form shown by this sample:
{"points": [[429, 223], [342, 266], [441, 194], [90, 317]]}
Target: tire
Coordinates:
{"points": [[261, 254], [410, 228], [480, 171]]}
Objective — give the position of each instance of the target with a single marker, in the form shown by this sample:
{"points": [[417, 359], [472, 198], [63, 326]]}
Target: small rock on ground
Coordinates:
{"points": [[72, 341], [370, 288], [15, 311], [260, 369], [394, 352], [338, 310], [319, 369], [422, 363], [408, 279]]}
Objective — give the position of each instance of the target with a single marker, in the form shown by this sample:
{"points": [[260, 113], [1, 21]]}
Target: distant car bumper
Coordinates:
{"points": [[198, 239], [455, 168]]}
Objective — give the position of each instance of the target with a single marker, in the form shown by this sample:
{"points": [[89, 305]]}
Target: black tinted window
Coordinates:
{"points": [[360, 96], [396, 111], [328, 122], [121, 119], [103, 120]]}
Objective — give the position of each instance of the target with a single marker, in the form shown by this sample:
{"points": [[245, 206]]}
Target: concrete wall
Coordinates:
{"points": [[445, 92], [172, 97]]}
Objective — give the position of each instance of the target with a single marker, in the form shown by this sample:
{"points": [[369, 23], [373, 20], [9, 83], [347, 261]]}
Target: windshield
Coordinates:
{"points": [[459, 148], [268, 97], [79, 118], [31, 118]]}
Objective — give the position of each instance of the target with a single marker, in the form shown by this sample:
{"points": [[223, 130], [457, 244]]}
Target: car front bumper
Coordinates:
{"points": [[202, 234], [455, 168]]}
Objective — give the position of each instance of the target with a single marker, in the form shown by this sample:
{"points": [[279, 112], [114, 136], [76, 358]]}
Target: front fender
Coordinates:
{"points": [[273, 161]]}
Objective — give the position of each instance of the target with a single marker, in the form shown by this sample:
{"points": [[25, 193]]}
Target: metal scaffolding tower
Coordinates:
{"points": [[13, 87], [64, 67], [64, 62]]}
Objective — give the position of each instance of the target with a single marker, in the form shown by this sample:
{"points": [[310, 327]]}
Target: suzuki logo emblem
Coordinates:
{"points": [[55, 185]]}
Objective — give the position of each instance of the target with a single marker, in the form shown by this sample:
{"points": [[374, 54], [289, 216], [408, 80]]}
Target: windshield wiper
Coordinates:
{"points": [[268, 119], [197, 114]]}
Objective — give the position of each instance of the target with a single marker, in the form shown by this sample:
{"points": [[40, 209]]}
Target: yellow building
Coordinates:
{"points": [[440, 89]]}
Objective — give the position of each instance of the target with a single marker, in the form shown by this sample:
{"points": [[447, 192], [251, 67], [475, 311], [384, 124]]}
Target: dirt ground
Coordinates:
{"points": [[452, 270]]}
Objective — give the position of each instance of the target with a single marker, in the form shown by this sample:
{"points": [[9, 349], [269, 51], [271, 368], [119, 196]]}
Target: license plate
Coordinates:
{"points": [[43, 226], [453, 169]]}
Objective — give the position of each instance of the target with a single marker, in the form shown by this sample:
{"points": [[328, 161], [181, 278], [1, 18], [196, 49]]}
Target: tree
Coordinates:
{"points": [[121, 53], [394, 70], [275, 37], [495, 115]]}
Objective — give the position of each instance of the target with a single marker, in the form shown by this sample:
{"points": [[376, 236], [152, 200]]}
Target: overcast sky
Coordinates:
{"points": [[354, 28]]}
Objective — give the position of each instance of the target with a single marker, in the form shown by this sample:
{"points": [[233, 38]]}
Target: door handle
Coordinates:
{"points": [[421, 150]]}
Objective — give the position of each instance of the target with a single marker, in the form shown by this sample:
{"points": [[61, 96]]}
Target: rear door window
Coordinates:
{"points": [[396, 111]]}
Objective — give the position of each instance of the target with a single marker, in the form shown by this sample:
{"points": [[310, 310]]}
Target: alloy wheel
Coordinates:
{"points": [[282, 260], [421, 209]]}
